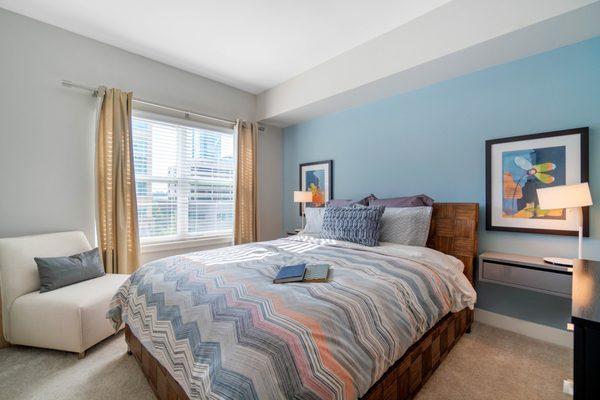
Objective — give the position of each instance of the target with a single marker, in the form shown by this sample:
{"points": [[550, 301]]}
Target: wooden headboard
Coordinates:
{"points": [[454, 231]]}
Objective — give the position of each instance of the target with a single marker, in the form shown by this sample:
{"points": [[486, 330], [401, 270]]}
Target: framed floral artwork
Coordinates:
{"points": [[517, 166], [317, 177]]}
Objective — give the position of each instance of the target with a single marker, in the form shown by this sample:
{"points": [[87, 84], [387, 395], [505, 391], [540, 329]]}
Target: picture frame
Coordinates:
{"points": [[517, 166], [316, 177]]}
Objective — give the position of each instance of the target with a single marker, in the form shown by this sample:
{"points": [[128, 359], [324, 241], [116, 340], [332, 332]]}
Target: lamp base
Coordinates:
{"points": [[567, 262]]}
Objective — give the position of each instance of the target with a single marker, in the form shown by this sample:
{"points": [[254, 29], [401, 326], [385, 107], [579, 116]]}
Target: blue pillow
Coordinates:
{"points": [[56, 272], [355, 224]]}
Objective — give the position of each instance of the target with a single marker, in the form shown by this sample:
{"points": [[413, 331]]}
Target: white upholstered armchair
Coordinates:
{"points": [[71, 318]]}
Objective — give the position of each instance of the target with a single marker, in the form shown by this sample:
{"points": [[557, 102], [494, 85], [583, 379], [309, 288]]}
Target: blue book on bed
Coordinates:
{"points": [[290, 273]]}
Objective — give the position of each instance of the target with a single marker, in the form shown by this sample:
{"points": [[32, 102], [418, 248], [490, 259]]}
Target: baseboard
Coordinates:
{"points": [[542, 332]]}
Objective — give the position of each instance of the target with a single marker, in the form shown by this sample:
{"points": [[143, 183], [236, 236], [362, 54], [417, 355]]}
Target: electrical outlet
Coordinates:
{"points": [[568, 386]]}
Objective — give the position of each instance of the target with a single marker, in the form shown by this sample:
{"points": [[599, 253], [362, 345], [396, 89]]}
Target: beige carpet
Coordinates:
{"points": [[107, 372], [495, 364], [487, 364]]}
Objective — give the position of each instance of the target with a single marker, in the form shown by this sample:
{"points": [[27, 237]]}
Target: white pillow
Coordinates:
{"points": [[314, 219], [405, 225]]}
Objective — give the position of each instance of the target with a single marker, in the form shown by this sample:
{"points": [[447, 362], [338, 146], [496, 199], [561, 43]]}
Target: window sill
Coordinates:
{"points": [[211, 241]]}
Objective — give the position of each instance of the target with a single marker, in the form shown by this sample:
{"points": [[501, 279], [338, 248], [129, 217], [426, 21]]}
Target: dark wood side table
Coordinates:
{"points": [[586, 320]]}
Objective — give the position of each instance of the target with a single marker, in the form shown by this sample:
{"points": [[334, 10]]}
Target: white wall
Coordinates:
{"points": [[270, 183], [46, 130]]}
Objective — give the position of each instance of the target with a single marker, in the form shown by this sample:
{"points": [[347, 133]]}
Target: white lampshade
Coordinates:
{"points": [[302, 197], [566, 196]]}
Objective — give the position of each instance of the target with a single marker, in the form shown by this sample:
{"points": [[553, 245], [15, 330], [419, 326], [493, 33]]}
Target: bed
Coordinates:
{"points": [[212, 324]]}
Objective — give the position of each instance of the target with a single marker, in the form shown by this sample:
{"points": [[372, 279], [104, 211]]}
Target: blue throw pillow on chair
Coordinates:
{"points": [[56, 272]]}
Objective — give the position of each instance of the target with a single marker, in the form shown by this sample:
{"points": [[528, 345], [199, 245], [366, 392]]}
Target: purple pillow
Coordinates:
{"points": [[345, 203], [420, 200]]}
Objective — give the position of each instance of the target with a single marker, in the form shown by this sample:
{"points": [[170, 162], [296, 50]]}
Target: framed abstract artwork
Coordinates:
{"points": [[517, 166], [317, 177]]}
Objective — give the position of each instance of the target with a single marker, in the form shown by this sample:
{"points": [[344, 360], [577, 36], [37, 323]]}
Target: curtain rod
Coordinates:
{"points": [[187, 114]]}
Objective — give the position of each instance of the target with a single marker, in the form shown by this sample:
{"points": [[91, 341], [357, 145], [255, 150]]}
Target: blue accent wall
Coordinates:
{"points": [[432, 141]]}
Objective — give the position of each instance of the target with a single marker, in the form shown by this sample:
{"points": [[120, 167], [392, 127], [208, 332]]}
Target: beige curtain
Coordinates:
{"points": [[245, 220], [115, 185]]}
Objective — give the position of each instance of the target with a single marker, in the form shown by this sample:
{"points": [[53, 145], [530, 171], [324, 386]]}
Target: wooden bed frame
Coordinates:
{"points": [[453, 231]]}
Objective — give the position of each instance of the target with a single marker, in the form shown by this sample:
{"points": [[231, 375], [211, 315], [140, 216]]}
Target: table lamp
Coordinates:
{"points": [[566, 196], [302, 197]]}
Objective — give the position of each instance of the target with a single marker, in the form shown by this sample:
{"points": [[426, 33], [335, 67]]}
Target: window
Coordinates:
{"points": [[184, 179]]}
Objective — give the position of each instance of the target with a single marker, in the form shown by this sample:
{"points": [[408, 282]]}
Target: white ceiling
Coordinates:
{"points": [[252, 45], [457, 38]]}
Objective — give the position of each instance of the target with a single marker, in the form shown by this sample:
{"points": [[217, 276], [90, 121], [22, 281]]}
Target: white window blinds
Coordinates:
{"points": [[184, 180]]}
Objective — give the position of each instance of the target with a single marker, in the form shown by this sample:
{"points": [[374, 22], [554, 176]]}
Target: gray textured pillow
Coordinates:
{"points": [[356, 224], [314, 219], [56, 272], [406, 225]]}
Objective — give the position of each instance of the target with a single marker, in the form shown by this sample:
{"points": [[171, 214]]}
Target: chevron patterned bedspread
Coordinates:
{"points": [[223, 330]]}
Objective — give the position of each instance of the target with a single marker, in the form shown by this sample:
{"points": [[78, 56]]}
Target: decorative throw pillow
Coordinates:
{"points": [[314, 219], [345, 203], [419, 200], [406, 225], [56, 272], [353, 224]]}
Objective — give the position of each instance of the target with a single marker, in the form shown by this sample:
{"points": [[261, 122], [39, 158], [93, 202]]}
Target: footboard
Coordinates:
{"points": [[165, 387], [402, 381]]}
